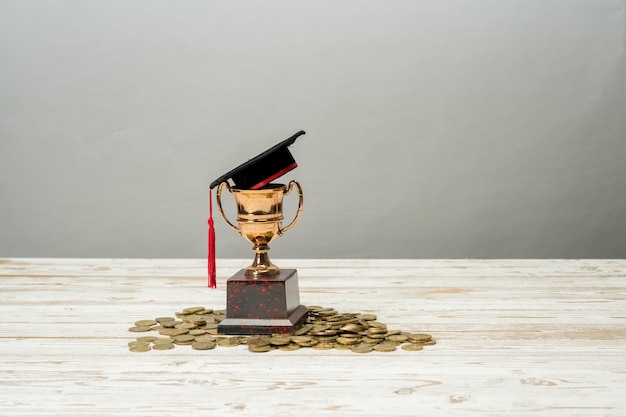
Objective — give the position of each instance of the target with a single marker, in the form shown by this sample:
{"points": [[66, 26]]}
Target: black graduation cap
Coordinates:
{"points": [[263, 168]]}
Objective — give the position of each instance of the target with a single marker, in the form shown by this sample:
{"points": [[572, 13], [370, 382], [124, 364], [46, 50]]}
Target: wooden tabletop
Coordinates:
{"points": [[514, 338]]}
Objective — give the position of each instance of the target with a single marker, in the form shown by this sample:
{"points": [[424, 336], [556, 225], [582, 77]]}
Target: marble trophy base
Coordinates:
{"points": [[266, 305]]}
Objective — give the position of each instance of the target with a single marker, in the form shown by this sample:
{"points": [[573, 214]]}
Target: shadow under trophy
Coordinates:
{"points": [[262, 298]]}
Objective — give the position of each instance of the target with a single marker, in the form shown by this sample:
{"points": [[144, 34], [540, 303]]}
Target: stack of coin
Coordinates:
{"points": [[324, 329]]}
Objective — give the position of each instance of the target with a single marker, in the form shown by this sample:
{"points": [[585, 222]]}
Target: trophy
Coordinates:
{"points": [[262, 298], [260, 216]]}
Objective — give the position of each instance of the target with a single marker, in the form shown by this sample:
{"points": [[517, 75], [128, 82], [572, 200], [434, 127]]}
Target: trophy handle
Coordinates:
{"points": [[299, 212], [219, 205]]}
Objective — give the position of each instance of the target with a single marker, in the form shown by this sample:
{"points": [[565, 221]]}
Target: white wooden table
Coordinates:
{"points": [[514, 338]]}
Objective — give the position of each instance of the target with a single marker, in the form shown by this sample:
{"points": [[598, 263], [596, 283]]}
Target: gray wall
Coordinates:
{"points": [[435, 129]]}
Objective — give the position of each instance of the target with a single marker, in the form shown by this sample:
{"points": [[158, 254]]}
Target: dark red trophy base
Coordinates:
{"points": [[263, 305]]}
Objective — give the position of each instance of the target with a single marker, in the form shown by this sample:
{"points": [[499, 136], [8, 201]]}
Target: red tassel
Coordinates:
{"points": [[211, 253]]}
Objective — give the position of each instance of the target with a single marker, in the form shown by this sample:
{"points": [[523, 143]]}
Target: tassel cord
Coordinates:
{"points": [[211, 246]]}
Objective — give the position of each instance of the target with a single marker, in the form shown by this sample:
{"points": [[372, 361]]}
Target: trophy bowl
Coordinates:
{"points": [[260, 218]]}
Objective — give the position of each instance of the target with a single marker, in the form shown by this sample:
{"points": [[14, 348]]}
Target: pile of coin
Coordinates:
{"points": [[324, 329]]}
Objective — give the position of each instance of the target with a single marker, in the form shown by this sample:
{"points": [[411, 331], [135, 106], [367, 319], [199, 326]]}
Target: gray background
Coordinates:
{"points": [[435, 129]]}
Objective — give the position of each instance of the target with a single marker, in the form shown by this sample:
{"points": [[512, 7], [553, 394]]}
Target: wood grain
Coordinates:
{"points": [[515, 338]]}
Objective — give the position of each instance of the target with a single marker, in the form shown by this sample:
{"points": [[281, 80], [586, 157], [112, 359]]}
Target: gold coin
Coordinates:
{"points": [[320, 328], [163, 346], [393, 333], [203, 345], [259, 348], [377, 330], [328, 332], [347, 340], [323, 346], [138, 343], [412, 347], [162, 319], [140, 329], [177, 332], [141, 347], [183, 339], [205, 338], [258, 341], [307, 343], [419, 337], [141, 323], [197, 332], [367, 317], [195, 319], [170, 324], [397, 338], [147, 339], [338, 319], [191, 310], [289, 347], [280, 340], [303, 330], [228, 342], [162, 340], [326, 339], [211, 320], [430, 342], [361, 349], [384, 347], [352, 328], [185, 325]]}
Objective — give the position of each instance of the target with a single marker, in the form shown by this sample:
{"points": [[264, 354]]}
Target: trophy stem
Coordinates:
{"points": [[261, 265]]}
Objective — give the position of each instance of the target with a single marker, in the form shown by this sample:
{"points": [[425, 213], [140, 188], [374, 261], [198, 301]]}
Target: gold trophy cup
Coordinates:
{"points": [[262, 299], [260, 216]]}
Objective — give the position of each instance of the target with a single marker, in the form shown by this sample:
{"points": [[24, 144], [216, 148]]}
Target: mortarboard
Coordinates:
{"points": [[252, 174], [263, 168]]}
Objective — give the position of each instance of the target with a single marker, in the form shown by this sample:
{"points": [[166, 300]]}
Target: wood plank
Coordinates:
{"points": [[515, 338]]}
